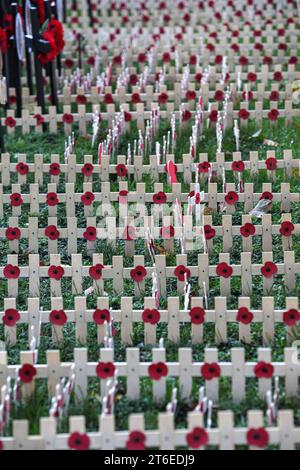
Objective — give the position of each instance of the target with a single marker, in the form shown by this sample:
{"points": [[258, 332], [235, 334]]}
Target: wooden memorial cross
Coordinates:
{"points": [[36, 44]]}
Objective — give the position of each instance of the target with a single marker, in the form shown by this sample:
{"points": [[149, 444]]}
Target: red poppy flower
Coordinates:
{"points": [[56, 29], [197, 315], [39, 119], [49, 56], [52, 199], [159, 198], [135, 98], [87, 198], [213, 116], [69, 63], [13, 233], [243, 60], [58, 317], [121, 170], [16, 199], [190, 95], [108, 98], [210, 371], [77, 441], [247, 230], [81, 99], [210, 47], [252, 77], [90, 234], [204, 167], [22, 168], [286, 228], [269, 269], [142, 58], [151, 316], [219, 95], [193, 60], [51, 232], [167, 232], [244, 114], [247, 95], [105, 370], [258, 46], [267, 60], [117, 60], [197, 438], [224, 270], [87, 169], [273, 114], [186, 115], [158, 370], [68, 118], [231, 197], [238, 166], [278, 77], [258, 437], [209, 232], [138, 273], [198, 77], [218, 59], [56, 272], [235, 47], [10, 122], [293, 60], [11, 272], [127, 116], [11, 317], [271, 163], [26, 373], [136, 441], [274, 96], [95, 272], [101, 315], [291, 317], [54, 169], [133, 79], [244, 316], [91, 61], [180, 272], [12, 99], [263, 370], [163, 98], [266, 195]]}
